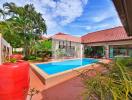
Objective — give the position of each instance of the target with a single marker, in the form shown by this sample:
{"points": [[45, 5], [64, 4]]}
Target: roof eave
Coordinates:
{"points": [[124, 8], [107, 41]]}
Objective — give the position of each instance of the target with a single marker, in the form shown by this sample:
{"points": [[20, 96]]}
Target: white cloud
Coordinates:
{"points": [[56, 13], [69, 10], [60, 13], [104, 19], [95, 27], [104, 14], [102, 26], [88, 27]]}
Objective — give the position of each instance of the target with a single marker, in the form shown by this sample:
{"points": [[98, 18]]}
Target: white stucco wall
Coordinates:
{"points": [[78, 47], [3, 53], [107, 44]]}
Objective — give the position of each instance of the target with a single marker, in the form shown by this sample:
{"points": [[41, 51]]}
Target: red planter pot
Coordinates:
{"points": [[14, 80], [17, 56]]}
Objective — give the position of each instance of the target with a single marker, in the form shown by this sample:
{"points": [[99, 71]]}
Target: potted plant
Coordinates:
{"points": [[14, 79]]}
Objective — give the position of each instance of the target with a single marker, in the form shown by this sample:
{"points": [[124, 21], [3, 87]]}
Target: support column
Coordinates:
{"points": [[10, 50], [107, 51], [82, 51], [55, 48]]}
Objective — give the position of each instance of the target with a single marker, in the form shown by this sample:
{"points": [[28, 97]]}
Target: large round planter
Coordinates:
{"points": [[14, 80], [17, 56]]}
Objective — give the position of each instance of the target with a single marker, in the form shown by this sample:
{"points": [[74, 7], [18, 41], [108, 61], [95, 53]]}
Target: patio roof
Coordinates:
{"points": [[66, 37], [113, 34], [124, 9]]}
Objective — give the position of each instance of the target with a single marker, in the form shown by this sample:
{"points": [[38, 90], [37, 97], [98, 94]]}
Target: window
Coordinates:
{"points": [[123, 50]]}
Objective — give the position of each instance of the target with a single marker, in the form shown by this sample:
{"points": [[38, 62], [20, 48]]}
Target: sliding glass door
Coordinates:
{"points": [[120, 50]]}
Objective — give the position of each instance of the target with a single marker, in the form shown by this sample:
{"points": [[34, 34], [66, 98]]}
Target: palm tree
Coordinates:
{"points": [[9, 34], [26, 22]]}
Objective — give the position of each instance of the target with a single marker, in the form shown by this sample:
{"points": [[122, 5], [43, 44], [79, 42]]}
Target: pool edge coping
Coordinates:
{"points": [[46, 76]]}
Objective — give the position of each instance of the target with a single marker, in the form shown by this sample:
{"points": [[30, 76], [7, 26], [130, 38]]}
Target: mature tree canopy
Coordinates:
{"points": [[21, 25]]}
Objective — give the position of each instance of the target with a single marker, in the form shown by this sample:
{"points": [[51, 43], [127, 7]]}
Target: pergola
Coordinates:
{"points": [[124, 9]]}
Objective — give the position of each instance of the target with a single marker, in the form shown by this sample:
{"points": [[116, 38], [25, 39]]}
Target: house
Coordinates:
{"points": [[114, 42], [105, 43], [70, 45]]}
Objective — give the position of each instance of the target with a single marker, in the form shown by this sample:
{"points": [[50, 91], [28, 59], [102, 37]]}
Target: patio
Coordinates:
{"points": [[68, 90]]}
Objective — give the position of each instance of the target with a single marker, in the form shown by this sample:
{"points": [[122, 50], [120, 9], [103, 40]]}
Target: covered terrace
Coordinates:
{"points": [[114, 42]]}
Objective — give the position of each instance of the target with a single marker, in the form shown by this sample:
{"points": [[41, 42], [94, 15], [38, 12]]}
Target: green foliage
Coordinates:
{"points": [[127, 61], [115, 84], [45, 45], [10, 36], [21, 26], [17, 52], [42, 49], [30, 57], [60, 53], [94, 51], [12, 60], [88, 51]]}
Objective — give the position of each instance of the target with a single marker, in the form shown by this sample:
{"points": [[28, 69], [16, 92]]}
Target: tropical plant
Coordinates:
{"points": [[25, 22], [60, 53], [87, 51], [33, 92], [94, 51], [10, 36], [45, 45], [115, 84], [43, 49]]}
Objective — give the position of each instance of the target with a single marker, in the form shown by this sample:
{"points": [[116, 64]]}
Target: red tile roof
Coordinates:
{"points": [[43, 38], [113, 34], [62, 36]]}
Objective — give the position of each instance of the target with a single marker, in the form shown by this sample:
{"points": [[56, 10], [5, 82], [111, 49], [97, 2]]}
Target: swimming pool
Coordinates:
{"points": [[57, 67]]}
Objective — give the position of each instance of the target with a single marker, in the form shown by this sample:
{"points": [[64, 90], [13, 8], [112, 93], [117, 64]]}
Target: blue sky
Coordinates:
{"points": [[76, 17]]}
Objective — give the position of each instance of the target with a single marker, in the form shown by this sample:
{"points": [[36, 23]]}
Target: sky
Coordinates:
{"points": [[75, 17]]}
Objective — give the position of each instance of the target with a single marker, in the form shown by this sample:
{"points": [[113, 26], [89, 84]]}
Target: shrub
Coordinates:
{"points": [[31, 57], [116, 84]]}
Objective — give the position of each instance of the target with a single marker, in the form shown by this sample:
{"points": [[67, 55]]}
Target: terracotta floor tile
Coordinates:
{"points": [[68, 90]]}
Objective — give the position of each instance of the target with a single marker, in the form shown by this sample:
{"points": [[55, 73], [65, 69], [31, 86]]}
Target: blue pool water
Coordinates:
{"points": [[56, 67]]}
